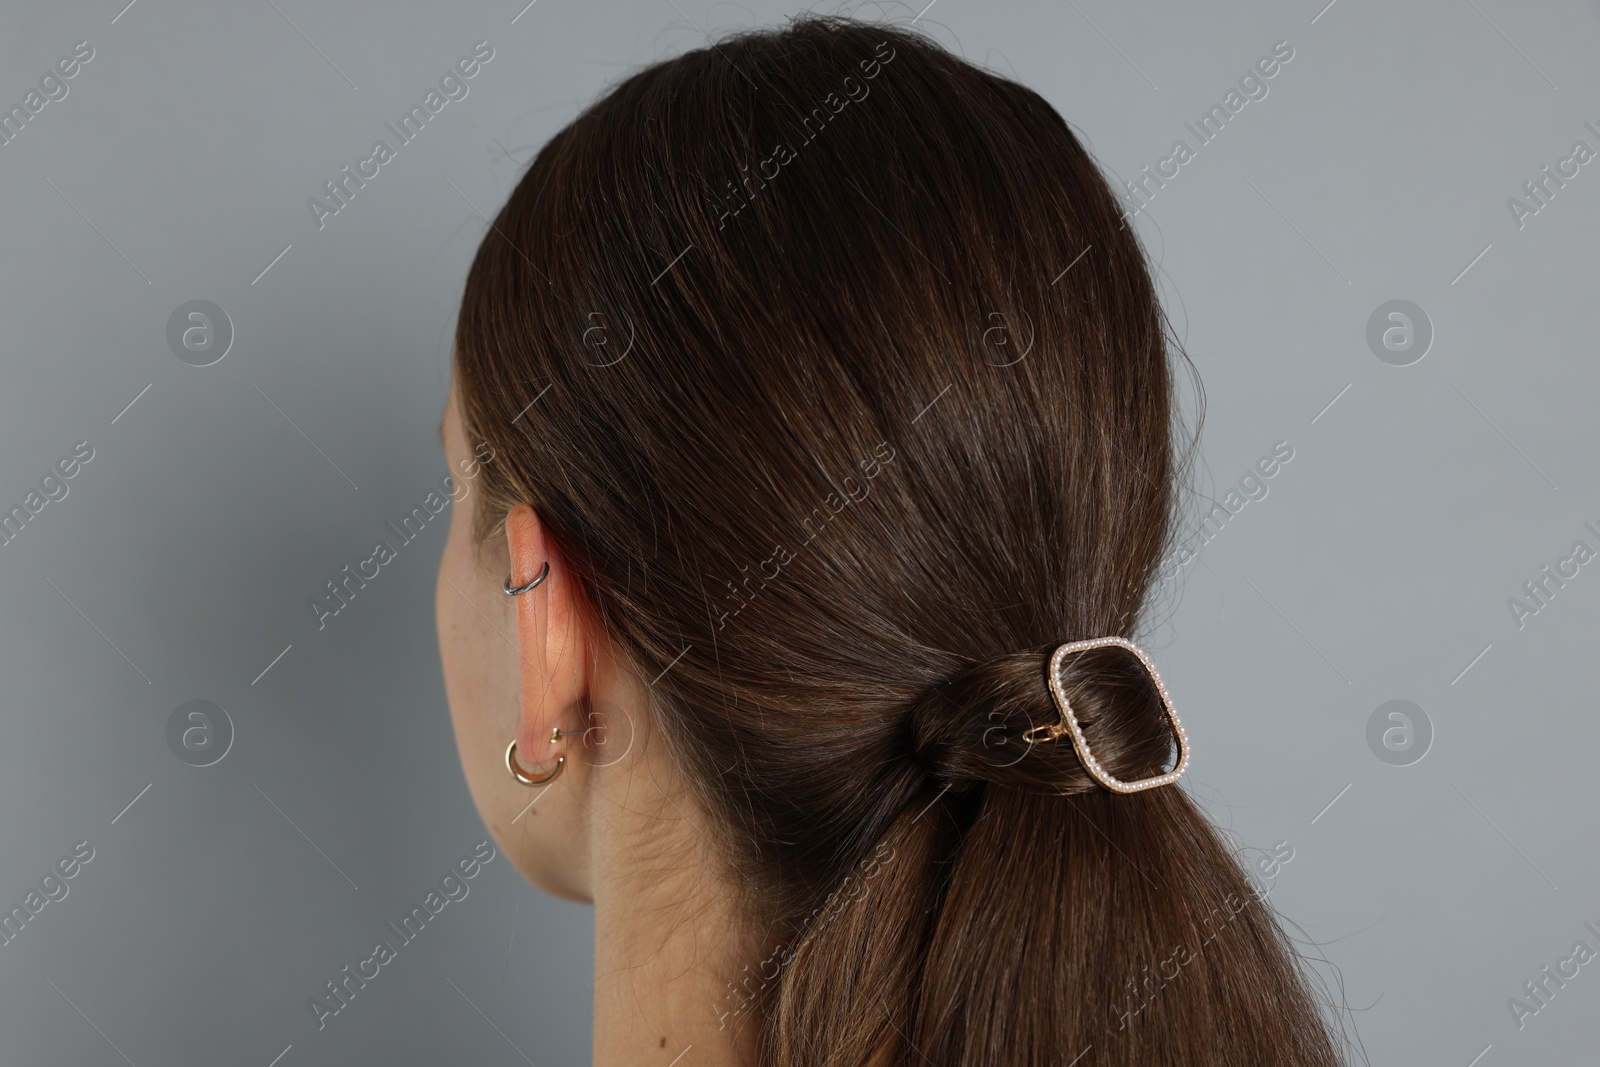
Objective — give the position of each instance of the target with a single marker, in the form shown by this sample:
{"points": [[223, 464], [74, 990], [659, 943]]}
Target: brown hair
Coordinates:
{"points": [[830, 364]]}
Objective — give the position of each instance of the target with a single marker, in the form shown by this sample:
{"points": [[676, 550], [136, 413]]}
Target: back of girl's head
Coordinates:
{"points": [[833, 366]]}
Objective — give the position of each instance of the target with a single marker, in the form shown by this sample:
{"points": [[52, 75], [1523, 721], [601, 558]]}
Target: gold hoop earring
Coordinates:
{"points": [[517, 772]]}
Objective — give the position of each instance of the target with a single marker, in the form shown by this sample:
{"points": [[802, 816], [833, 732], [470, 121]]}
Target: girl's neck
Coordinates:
{"points": [[669, 953]]}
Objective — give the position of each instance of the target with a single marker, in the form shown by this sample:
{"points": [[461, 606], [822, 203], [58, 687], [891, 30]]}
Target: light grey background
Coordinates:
{"points": [[1378, 567]]}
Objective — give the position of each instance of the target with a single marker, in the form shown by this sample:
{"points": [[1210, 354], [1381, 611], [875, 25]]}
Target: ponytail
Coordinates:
{"points": [[1035, 917]]}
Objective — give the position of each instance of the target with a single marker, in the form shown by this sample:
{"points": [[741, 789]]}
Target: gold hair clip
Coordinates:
{"points": [[1069, 722]]}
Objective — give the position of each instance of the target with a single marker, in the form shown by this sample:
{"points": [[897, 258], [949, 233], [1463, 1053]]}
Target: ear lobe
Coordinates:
{"points": [[549, 641]]}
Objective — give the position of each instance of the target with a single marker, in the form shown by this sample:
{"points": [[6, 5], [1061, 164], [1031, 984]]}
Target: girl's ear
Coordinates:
{"points": [[550, 642]]}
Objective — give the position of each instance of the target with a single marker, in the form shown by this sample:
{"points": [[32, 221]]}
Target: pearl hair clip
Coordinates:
{"points": [[1069, 722]]}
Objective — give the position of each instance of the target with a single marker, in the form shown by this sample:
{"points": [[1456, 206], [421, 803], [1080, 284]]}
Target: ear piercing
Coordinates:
{"points": [[520, 589], [556, 734]]}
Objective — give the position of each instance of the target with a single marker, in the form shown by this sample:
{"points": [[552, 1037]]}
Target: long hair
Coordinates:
{"points": [[832, 366]]}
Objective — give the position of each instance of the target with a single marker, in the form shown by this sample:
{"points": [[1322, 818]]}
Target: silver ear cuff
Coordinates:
{"points": [[520, 589]]}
